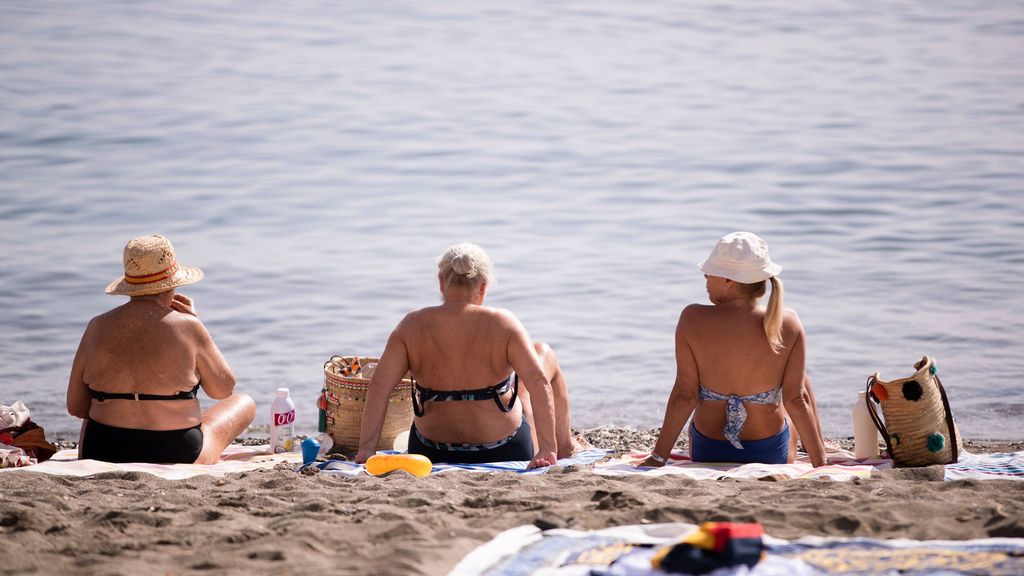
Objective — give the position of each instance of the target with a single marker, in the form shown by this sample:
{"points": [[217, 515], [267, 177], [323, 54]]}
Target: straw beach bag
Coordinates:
{"points": [[918, 427], [346, 382]]}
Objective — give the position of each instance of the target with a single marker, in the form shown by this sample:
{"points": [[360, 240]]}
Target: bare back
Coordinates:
{"points": [[146, 348], [733, 357], [464, 347]]}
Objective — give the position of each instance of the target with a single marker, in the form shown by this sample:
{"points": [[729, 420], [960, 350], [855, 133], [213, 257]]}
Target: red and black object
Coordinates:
{"points": [[712, 546]]}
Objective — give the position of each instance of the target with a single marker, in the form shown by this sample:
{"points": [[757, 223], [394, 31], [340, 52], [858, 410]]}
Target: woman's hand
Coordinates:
{"points": [[362, 457], [542, 459], [650, 462], [184, 304]]}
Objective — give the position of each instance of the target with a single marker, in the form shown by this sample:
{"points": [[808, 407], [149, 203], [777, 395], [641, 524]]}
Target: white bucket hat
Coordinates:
{"points": [[742, 257], [150, 267]]}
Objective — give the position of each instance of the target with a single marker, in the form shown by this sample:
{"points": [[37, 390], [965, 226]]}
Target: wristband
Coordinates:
{"points": [[658, 458]]}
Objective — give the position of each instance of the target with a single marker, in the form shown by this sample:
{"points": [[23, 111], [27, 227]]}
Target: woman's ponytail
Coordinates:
{"points": [[773, 316]]}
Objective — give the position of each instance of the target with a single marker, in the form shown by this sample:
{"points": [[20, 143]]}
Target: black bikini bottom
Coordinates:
{"points": [[517, 447], [113, 444]]}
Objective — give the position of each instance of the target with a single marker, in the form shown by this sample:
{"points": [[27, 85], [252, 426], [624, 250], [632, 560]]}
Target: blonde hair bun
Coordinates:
{"points": [[464, 265]]}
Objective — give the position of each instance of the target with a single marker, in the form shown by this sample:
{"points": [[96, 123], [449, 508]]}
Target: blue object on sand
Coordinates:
{"points": [[310, 450]]}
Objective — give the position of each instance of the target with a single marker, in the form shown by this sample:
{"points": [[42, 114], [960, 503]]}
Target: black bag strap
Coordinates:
{"points": [[868, 395], [949, 420]]}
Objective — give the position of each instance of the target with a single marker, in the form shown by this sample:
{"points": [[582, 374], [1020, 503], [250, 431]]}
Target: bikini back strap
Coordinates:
{"points": [[423, 395], [417, 404], [101, 396], [736, 412], [504, 387]]}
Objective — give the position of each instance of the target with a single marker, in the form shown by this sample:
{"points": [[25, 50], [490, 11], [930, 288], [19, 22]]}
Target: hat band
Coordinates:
{"points": [[151, 278]]}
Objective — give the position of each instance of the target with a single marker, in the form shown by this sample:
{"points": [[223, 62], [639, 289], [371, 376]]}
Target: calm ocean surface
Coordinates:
{"points": [[316, 160]]}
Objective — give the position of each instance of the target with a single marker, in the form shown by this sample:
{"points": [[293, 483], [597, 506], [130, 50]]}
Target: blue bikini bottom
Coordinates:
{"points": [[517, 446], [771, 450]]}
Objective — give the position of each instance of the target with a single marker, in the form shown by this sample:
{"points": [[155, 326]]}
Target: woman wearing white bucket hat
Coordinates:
{"points": [[139, 366], [740, 367]]}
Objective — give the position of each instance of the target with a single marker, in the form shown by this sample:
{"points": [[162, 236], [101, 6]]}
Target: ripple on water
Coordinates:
{"points": [[315, 161]]}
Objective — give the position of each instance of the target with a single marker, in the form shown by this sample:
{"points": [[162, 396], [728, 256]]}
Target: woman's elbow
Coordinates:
{"points": [[79, 409], [682, 398], [537, 384], [801, 401], [224, 388]]}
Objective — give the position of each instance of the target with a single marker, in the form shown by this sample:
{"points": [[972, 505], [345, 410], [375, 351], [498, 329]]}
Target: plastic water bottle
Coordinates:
{"points": [[865, 435], [282, 423]]}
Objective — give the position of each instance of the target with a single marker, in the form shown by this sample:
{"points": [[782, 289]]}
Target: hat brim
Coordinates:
{"points": [[185, 275], [749, 276]]}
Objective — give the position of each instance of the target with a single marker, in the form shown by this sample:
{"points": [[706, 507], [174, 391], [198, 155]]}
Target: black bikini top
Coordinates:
{"points": [[422, 395], [101, 396]]}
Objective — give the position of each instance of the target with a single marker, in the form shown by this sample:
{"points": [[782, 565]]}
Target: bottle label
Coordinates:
{"points": [[284, 418]]}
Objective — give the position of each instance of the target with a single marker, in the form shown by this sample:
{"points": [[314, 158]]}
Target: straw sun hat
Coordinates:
{"points": [[150, 267], [741, 257]]}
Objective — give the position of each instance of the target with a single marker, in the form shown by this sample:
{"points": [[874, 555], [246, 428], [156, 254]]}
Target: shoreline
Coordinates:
{"points": [[278, 520]]}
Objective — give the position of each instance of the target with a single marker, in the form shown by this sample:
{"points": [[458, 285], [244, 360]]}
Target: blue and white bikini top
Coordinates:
{"points": [[422, 395], [736, 413]]}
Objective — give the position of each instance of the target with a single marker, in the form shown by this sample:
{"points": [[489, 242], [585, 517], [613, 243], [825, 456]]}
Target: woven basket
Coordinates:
{"points": [[918, 428], [346, 382]]}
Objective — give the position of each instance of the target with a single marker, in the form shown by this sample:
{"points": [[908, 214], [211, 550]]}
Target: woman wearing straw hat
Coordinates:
{"points": [[139, 366], [740, 367], [455, 351]]}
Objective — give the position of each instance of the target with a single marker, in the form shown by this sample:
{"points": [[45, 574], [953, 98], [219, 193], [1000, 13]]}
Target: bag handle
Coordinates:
{"points": [[874, 416], [949, 420]]}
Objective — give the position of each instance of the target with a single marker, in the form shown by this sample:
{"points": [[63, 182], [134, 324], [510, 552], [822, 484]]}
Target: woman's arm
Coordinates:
{"points": [[681, 401], [795, 397], [524, 361], [215, 376], [393, 365], [78, 399]]}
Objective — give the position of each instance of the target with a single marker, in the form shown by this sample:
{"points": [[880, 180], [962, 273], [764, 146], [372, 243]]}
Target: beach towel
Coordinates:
{"points": [[1004, 466], [627, 550], [351, 469], [235, 459], [841, 465]]}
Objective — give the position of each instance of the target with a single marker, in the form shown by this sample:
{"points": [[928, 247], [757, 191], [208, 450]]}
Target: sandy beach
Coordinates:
{"points": [[284, 522]]}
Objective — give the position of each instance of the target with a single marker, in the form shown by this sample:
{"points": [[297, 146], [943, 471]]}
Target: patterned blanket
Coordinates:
{"points": [[350, 469], [627, 550], [1005, 466], [841, 465]]}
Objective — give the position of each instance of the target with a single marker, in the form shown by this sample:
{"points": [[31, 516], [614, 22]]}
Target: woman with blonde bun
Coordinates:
{"points": [[455, 352], [740, 367]]}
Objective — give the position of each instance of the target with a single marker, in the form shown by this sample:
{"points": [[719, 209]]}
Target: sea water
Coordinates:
{"points": [[314, 160]]}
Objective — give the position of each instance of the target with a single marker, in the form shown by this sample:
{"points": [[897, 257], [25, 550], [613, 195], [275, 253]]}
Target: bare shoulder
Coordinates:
{"points": [[107, 322], [503, 316], [411, 319], [696, 310], [191, 325], [108, 316], [789, 316], [791, 321], [695, 314]]}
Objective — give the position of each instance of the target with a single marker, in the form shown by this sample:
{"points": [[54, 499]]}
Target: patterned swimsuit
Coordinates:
{"points": [[736, 413]]}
